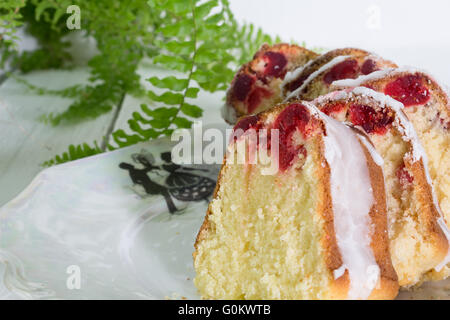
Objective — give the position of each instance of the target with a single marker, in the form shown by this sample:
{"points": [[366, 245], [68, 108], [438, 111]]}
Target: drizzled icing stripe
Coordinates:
{"points": [[313, 75], [363, 78], [292, 75], [369, 146], [352, 201]]}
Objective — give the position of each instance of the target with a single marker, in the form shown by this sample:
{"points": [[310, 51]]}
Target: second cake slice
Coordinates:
{"points": [[418, 240]]}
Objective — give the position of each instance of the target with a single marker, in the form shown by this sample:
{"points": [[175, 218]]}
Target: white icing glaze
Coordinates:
{"points": [[313, 75], [444, 228], [339, 271], [292, 75], [363, 78], [403, 124], [228, 113], [352, 202]]}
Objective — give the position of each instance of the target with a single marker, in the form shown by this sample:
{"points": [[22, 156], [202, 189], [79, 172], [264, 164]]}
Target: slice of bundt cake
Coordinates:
{"points": [[314, 79], [315, 228], [427, 105], [256, 86], [418, 241]]}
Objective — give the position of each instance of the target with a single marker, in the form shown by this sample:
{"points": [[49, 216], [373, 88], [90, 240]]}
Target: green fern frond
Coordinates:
{"points": [[10, 21], [203, 44], [199, 42], [123, 34], [74, 153]]}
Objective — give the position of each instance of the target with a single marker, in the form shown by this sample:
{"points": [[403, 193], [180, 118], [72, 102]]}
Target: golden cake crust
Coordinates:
{"points": [[388, 288]]}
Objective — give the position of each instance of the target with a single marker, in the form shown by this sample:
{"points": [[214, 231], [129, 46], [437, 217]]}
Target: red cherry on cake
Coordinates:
{"points": [[333, 108], [275, 63], [409, 90], [292, 118], [347, 69], [255, 97], [249, 122], [242, 86], [368, 67], [403, 175], [370, 120]]}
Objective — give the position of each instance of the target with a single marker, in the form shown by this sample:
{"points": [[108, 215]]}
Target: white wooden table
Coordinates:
{"points": [[26, 142]]}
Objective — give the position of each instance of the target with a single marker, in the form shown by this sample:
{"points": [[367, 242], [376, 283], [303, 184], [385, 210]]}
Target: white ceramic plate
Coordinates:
{"points": [[82, 230]]}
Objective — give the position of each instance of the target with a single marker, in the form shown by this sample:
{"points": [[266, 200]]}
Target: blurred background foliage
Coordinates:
{"points": [[199, 40]]}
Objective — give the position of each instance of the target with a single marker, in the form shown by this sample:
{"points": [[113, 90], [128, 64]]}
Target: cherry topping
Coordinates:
{"points": [[247, 123], [255, 97], [368, 67], [347, 69], [333, 108], [370, 120], [292, 118], [403, 175], [409, 90], [244, 124], [242, 86], [275, 63]]}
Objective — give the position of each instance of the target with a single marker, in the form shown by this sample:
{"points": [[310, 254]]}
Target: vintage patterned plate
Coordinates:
{"points": [[84, 230]]}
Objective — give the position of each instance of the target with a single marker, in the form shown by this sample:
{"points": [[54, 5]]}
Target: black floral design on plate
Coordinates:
{"points": [[182, 183]]}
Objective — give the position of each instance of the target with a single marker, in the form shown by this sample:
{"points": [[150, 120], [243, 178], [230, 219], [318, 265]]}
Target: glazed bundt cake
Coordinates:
{"points": [[418, 241], [256, 86], [394, 122], [314, 79], [315, 228]]}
